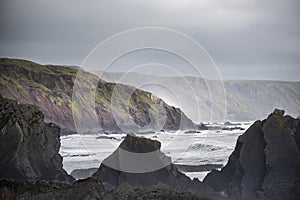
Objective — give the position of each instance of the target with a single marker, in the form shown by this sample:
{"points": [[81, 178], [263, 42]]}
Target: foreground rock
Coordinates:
{"points": [[28, 146], [168, 175], [85, 189], [265, 163]]}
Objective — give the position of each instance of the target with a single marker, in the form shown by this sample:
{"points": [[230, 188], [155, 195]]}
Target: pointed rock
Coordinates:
{"points": [[139, 162]]}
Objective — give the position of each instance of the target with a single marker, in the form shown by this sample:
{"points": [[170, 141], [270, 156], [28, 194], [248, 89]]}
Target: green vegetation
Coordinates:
{"points": [[51, 88]]}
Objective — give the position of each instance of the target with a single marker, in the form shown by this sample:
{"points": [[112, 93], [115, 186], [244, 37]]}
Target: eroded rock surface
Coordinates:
{"points": [[168, 175], [265, 163], [28, 146]]}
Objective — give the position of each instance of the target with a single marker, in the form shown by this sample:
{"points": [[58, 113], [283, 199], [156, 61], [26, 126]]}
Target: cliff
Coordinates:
{"points": [[265, 163], [50, 88], [29, 146], [246, 100]]}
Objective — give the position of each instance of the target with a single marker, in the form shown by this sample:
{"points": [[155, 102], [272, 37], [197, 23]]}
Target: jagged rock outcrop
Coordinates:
{"points": [[28, 146], [168, 175], [50, 87], [265, 163], [86, 189]]}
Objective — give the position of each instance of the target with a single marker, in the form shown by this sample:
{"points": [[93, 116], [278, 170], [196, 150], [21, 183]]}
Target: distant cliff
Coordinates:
{"points": [[265, 163], [50, 88], [28, 146], [245, 99]]}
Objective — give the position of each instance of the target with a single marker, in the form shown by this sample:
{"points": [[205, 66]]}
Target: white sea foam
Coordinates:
{"points": [[207, 147]]}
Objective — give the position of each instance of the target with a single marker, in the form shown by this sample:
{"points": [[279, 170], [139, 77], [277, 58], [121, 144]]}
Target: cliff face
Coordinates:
{"points": [[29, 147], [265, 163], [50, 88], [246, 100]]}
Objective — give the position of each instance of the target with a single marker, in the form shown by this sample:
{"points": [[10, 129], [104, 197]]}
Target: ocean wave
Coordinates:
{"points": [[202, 146], [64, 154]]}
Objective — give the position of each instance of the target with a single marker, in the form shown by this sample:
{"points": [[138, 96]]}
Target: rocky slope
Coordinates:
{"points": [[246, 100], [29, 146], [168, 175], [265, 163], [86, 189], [50, 88]]}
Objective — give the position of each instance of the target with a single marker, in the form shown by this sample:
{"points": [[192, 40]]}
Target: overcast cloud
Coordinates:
{"points": [[250, 39]]}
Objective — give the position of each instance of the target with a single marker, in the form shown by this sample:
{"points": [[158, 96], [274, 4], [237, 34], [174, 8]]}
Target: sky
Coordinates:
{"points": [[247, 39]]}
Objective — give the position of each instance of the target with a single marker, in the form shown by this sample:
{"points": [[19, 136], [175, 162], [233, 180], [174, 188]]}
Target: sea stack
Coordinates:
{"points": [[169, 175]]}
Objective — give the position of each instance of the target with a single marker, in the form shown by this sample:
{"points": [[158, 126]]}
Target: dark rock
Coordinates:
{"points": [[90, 188], [232, 128], [265, 163], [169, 175], [136, 144], [202, 126], [192, 131], [278, 112], [29, 147]]}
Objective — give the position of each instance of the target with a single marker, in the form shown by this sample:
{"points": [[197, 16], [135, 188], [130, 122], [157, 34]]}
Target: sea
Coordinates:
{"points": [[184, 147]]}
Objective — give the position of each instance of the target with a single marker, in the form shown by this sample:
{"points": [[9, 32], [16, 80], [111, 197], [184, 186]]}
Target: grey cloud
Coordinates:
{"points": [[259, 34]]}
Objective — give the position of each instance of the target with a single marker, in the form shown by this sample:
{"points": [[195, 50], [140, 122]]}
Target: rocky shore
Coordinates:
{"points": [[264, 164], [87, 189]]}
